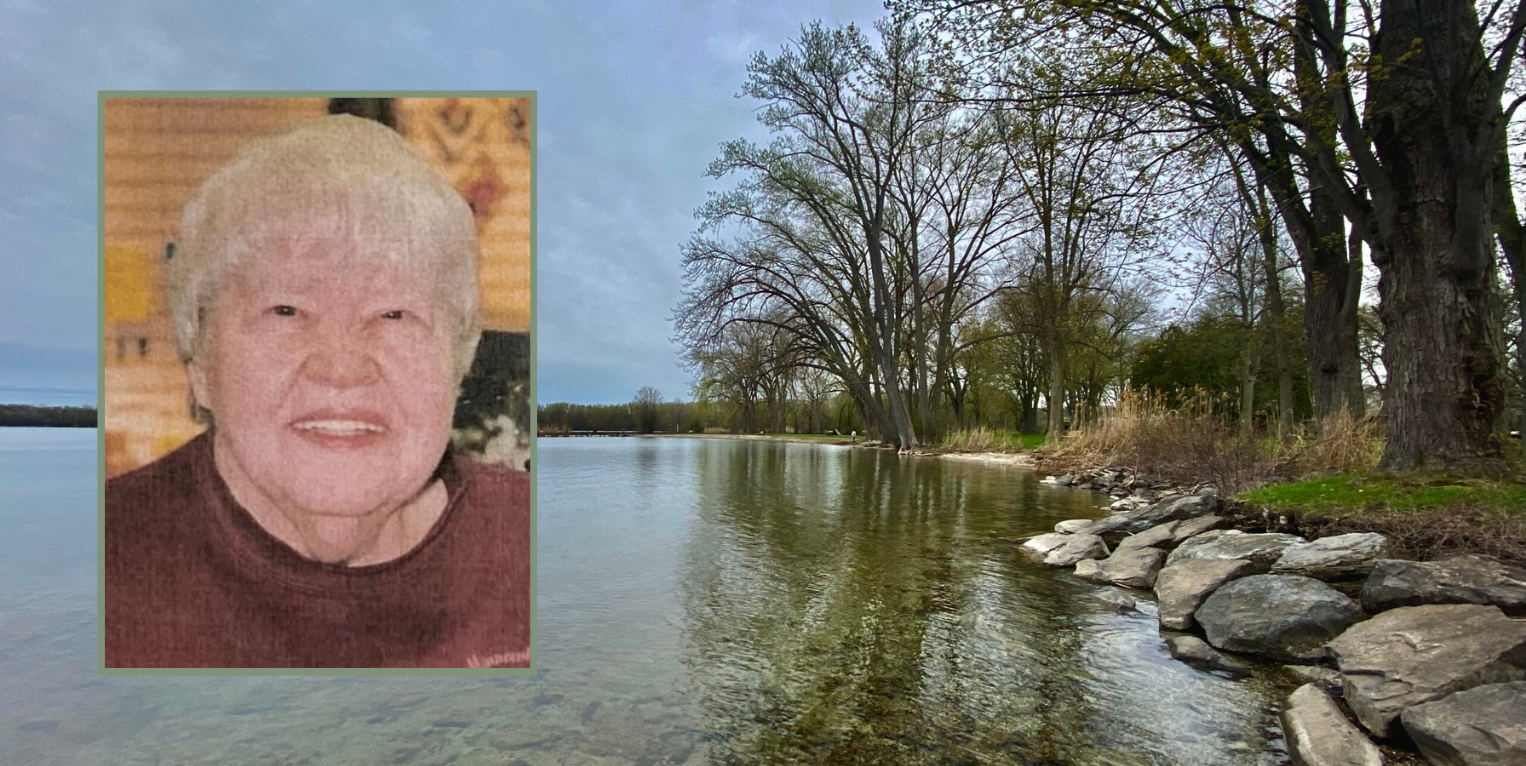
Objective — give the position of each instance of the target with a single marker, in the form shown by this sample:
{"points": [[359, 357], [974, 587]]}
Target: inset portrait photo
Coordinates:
{"points": [[317, 343]]}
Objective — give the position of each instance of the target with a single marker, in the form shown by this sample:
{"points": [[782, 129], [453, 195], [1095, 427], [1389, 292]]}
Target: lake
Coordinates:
{"points": [[700, 601]]}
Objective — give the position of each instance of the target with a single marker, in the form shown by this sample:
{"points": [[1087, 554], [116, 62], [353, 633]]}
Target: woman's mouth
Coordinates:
{"points": [[341, 430]]}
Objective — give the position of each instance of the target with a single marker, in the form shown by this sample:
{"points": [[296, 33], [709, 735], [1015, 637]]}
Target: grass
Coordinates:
{"points": [[1377, 493], [1425, 518]]}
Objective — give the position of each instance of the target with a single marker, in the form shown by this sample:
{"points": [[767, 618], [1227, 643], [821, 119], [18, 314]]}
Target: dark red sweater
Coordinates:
{"points": [[193, 581]]}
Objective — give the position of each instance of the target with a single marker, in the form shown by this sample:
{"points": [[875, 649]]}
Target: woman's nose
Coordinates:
{"points": [[343, 358]]}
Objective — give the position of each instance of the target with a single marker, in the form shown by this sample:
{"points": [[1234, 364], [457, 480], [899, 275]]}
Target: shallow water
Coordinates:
{"points": [[700, 601]]}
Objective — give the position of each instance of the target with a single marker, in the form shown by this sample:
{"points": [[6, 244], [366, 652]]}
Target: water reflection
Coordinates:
{"points": [[700, 601]]}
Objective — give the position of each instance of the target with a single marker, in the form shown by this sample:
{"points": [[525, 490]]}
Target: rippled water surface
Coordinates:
{"points": [[700, 601]]}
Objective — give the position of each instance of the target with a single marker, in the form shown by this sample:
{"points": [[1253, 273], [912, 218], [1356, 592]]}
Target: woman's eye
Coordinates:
{"points": [[284, 310], [393, 314]]}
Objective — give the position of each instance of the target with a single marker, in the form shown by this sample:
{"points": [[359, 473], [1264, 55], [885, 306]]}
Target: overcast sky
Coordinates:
{"points": [[634, 98]]}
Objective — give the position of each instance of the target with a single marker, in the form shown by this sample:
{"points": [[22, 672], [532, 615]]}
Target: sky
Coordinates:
{"points": [[634, 100]]}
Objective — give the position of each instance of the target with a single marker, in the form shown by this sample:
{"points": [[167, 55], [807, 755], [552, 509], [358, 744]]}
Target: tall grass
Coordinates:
{"points": [[1198, 440]]}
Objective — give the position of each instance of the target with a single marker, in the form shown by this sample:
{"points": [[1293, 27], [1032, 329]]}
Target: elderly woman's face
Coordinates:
{"points": [[329, 376]]}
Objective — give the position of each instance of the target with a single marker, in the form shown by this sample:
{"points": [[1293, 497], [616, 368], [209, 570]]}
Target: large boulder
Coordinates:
{"points": [[1041, 546], [1319, 734], [1328, 679], [1072, 526], [1077, 547], [1181, 587], [1261, 549], [1170, 534], [1483, 726], [1416, 654], [1115, 528], [1469, 579], [1135, 568], [1338, 557], [1283, 616], [1196, 652]]}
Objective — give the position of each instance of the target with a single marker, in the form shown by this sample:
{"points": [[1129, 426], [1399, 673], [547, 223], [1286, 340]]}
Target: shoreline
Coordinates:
{"points": [[1012, 459]]}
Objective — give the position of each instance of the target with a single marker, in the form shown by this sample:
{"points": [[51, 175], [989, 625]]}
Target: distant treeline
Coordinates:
{"points": [[54, 417]]}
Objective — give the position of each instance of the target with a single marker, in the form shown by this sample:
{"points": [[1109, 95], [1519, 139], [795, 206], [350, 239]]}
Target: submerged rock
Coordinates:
{"points": [[1077, 547], [1470, 579], [1180, 588], [1283, 616], [1319, 734], [1135, 568], [1118, 600], [1416, 654], [1260, 549], [1338, 557], [1196, 652], [1483, 726], [1325, 678]]}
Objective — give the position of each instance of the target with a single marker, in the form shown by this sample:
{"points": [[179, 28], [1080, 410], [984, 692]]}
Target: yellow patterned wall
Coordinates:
{"points": [[158, 151]]}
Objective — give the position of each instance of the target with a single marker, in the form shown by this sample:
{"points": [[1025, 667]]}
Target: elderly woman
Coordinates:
{"points": [[324, 297]]}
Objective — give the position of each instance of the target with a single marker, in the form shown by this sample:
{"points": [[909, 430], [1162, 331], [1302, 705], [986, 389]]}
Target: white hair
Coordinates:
{"points": [[337, 176]]}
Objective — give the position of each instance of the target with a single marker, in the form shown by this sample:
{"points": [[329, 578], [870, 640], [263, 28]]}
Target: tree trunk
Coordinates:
{"points": [[1056, 396], [1512, 238], [1435, 260], [1275, 320], [1331, 289]]}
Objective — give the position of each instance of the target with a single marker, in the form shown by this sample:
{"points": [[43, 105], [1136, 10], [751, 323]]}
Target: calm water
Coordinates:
{"points": [[701, 601]]}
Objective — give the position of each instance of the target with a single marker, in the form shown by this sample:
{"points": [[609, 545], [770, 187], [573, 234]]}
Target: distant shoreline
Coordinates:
{"points": [[33, 416]]}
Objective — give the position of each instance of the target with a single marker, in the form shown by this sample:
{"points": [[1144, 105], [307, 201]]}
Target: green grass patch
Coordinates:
{"points": [[1369, 492]]}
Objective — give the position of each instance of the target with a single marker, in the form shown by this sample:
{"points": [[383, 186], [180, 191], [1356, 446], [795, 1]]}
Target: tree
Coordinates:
{"points": [[645, 409]]}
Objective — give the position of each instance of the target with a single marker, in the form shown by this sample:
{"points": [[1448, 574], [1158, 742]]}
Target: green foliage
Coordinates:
{"points": [[1204, 356]]}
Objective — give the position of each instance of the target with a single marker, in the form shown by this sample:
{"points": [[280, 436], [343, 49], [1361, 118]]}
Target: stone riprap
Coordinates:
{"points": [[1180, 588], [1286, 617], [1483, 726], [1416, 654], [1170, 534], [1134, 568], [1076, 548], [1338, 557], [1116, 528], [1117, 600], [1319, 734], [1468, 579], [1260, 549]]}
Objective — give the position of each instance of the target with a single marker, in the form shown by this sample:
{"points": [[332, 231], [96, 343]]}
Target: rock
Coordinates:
{"points": [[1196, 652], [1470, 579], [1072, 526], [1066, 480], [1180, 588], [1115, 528], [1157, 536], [1124, 504], [1170, 534], [1483, 726], [1339, 557], [1325, 678], [1283, 616], [1319, 734], [1134, 568], [1078, 547], [1262, 549], [1416, 654], [1041, 546], [1118, 600]]}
